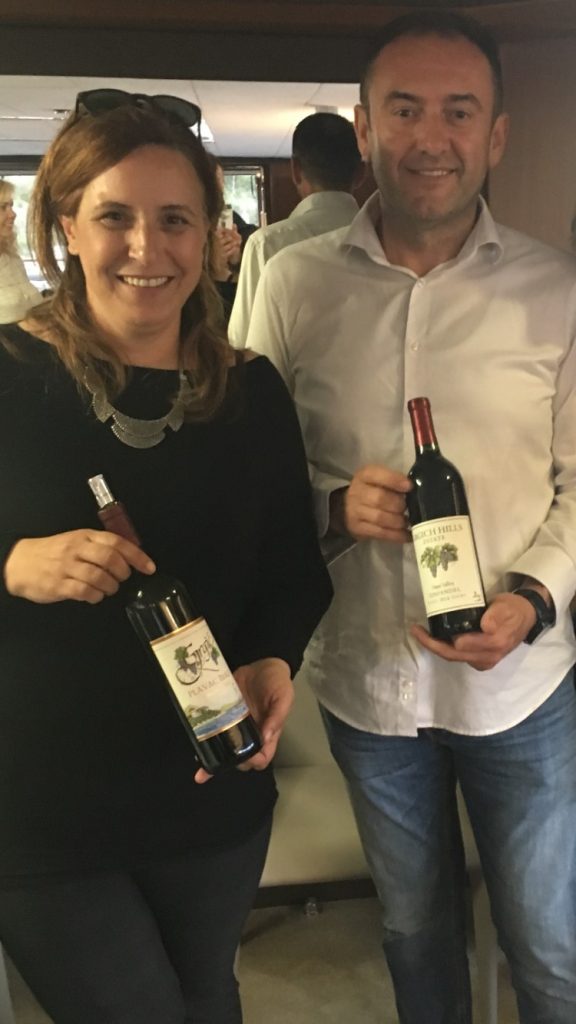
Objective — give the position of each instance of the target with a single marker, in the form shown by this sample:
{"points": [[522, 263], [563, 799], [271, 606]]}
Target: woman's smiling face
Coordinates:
{"points": [[140, 232]]}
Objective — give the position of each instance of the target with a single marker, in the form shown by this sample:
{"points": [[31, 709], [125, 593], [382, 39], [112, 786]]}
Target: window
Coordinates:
{"points": [[244, 190]]}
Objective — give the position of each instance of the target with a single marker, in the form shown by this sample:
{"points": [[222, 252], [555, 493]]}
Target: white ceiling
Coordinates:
{"points": [[247, 119]]}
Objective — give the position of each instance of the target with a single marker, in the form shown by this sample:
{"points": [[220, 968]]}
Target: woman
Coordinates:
{"points": [[17, 294], [227, 247], [226, 254], [125, 883]]}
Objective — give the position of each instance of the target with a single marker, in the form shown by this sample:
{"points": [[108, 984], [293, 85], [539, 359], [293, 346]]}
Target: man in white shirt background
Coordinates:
{"points": [[423, 294], [326, 169]]}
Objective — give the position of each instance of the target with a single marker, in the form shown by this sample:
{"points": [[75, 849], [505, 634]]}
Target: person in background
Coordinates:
{"points": [[226, 256], [124, 882], [17, 294], [424, 294], [326, 168], [227, 245], [243, 228]]}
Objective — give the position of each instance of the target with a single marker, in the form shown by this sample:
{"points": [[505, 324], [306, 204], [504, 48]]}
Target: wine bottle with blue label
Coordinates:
{"points": [[199, 681]]}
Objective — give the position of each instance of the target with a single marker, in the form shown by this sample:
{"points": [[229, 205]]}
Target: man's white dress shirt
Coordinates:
{"points": [[489, 338], [319, 212]]}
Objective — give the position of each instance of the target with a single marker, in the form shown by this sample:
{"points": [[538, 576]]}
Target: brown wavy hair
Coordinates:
{"points": [[85, 147]]}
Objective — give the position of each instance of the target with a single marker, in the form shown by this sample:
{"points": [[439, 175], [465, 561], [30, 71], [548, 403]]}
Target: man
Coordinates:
{"points": [[424, 295], [326, 168]]}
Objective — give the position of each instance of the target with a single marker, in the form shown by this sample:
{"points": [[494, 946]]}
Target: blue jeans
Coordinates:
{"points": [[520, 791]]}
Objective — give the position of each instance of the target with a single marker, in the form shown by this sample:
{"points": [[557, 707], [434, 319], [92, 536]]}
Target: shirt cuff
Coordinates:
{"points": [[550, 566], [334, 545], [322, 487]]}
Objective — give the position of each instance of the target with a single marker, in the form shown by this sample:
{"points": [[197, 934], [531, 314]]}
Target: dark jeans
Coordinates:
{"points": [[152, 946]]}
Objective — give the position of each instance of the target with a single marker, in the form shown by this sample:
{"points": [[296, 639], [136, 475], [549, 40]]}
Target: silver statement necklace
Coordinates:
{"points": [[137, 433]]}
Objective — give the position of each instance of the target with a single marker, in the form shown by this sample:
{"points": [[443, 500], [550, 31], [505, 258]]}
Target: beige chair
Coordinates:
{"points": [[315, 846], [314, 838]]}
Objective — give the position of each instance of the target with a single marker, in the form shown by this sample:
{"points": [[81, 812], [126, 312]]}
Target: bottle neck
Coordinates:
{"points": [[422, 425], [115, 519]]}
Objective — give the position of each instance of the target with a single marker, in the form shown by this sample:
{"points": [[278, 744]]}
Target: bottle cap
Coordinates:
{"points": [[101, 491], [415, 403]]}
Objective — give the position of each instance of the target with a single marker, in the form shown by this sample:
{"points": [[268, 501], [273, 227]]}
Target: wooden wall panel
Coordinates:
{"points": [[281, 194], [534, 189], [514, 19], [262, 40], [145, 53]]}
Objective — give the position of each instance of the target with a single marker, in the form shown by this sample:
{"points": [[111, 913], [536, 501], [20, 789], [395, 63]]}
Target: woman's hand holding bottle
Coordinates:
{"points": [[80, 565], [268, 690]]}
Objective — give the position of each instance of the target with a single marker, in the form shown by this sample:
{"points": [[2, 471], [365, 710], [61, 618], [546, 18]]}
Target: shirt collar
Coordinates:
{"points": [[324, 199], [484, 239]]}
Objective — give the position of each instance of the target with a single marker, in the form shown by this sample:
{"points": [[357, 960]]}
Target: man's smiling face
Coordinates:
{"points": [[429, 129]]}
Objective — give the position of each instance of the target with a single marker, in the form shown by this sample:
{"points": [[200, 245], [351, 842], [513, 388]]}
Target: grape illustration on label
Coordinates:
{"points": [[191, 661], [442, 555]]}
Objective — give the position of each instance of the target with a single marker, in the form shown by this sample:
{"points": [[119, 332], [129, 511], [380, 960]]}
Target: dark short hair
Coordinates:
{"points": [[448, 25], [325, 146]]}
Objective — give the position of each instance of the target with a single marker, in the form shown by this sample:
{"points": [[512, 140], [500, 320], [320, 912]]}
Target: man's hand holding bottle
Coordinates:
{"points": [[373, 506]]}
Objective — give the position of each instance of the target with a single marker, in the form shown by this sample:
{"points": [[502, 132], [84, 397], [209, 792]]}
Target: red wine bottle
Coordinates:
{"points": [[442, 534], [200, 683]]}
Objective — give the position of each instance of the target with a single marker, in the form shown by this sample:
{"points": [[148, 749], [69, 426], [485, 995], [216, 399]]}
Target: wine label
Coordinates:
{"points": [[447, 564], [200, 678]]}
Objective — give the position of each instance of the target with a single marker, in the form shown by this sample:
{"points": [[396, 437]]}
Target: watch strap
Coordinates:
{"points": [[545, 615]]}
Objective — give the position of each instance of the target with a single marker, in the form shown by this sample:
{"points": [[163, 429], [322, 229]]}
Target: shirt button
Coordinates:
{"points": [[414, 346]]}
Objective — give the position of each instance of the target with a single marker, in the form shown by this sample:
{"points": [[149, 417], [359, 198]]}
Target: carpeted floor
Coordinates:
{"points": [[298, 969]]}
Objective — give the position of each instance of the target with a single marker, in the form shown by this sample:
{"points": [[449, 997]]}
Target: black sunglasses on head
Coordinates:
{"points": [[100, 101]]}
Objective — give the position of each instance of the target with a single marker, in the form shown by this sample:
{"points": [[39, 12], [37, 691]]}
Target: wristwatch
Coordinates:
{"points": [[545, 615]]}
